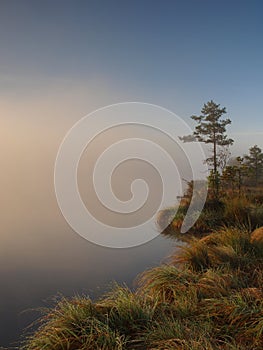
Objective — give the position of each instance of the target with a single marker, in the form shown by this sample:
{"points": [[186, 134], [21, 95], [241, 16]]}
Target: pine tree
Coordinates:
{"points": [[234, 174], [211, 129], [255, 162]]}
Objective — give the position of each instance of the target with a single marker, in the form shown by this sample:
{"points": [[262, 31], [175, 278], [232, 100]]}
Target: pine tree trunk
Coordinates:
{"points": [[216, 189]]}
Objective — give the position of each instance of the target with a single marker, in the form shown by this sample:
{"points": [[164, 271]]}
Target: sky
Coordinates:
{"points": [[177, 54]]}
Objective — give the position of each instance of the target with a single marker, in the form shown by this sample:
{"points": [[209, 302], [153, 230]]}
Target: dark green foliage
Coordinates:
{"points": [[254, 162], [234, 176]]}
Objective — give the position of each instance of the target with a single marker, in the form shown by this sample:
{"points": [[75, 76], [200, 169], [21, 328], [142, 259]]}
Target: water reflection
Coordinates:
{"points": [[65, 263]]}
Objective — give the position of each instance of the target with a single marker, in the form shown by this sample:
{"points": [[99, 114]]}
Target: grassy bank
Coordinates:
{"points": [[209, 296], [229, 211]]}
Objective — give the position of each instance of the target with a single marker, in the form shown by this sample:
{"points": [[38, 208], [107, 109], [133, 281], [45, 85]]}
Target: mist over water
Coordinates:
{"points": [[40, 255]]}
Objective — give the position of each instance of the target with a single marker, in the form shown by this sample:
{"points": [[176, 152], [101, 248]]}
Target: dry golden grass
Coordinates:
{"points": [[257, 236]]}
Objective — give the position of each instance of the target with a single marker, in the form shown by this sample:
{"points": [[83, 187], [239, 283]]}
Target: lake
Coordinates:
{"points": [[38, 266]]}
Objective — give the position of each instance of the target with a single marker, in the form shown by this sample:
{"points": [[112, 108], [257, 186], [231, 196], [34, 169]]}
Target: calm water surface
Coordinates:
{"points": [[36, 267]]}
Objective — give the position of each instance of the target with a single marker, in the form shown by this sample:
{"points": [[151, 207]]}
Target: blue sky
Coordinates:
{"points": [[177, 54]]}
